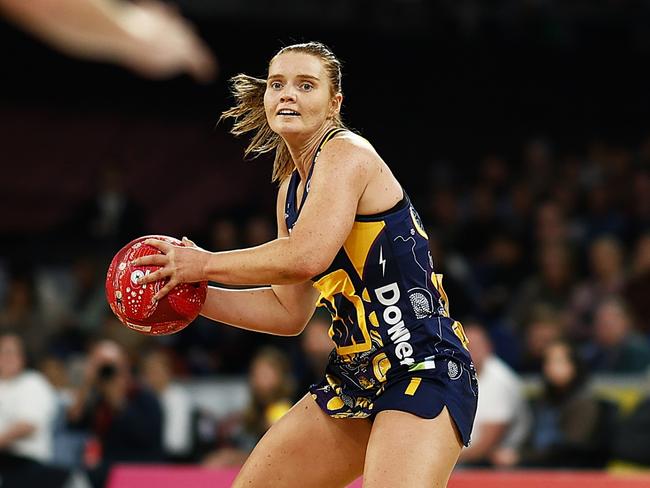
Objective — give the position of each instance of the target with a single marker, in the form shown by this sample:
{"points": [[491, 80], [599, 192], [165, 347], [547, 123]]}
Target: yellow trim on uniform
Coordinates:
{"points": [[436, 279], [417, 225], [413, 386], [359, 242], [457, 327], [333, 131]]}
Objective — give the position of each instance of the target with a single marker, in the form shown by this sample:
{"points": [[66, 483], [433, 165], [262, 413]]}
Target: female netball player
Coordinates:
{"points": [[399, 394]]}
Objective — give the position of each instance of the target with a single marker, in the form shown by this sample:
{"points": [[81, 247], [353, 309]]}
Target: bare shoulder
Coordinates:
{"points": [[357, 159], [354, 144], [350, 150]]}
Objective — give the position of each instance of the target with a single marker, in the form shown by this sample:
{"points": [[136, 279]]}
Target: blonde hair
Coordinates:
{"points": [[249, 115]]}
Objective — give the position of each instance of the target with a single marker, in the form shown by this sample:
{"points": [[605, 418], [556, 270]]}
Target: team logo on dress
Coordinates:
{"points": [[454, 370], [421, 303]]}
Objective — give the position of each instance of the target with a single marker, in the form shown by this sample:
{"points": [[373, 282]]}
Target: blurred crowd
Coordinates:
{"points": [[545, 257]]}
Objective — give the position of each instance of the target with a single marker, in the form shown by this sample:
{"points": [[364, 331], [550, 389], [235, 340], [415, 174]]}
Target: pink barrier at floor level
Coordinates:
{"points": [[140, 476]]}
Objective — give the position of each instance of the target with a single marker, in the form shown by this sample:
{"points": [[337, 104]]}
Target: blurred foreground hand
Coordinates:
{"points": [[148, 37]]}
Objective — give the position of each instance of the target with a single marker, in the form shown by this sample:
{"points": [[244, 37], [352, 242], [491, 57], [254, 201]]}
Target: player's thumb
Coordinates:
{"points": [[187, 242]]}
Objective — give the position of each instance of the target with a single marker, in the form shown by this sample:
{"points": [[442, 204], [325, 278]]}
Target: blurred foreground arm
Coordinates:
{"points": [[14, 432], [149, 37]]}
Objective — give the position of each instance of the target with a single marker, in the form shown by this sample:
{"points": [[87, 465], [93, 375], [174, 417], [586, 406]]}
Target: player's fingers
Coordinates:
{"points": [[162, 246], [200, 61], [160, 274], [188, 242], [165, 289], [151, 260]]}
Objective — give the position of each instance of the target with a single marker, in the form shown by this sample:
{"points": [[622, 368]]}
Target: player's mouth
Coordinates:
{"points": [[287, 112]]}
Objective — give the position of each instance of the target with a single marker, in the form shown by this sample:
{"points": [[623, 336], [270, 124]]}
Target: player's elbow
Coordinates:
{"points": [[286, 327], [294, 330], [310, 265]]}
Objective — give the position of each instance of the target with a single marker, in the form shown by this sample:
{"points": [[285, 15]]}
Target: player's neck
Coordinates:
{"points": [[303, 150]]}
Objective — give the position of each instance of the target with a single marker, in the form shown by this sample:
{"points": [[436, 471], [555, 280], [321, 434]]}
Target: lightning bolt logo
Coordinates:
{"points": [[382, 261]]}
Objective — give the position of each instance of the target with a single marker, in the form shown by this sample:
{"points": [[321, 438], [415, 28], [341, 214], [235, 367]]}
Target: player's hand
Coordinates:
{"points": [[179, 264], [166, 44]]}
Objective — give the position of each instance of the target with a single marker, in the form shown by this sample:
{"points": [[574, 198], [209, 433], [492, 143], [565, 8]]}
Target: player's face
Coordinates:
{"points": [[298, 99]]}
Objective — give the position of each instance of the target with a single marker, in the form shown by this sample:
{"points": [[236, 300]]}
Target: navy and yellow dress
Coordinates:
{"points": [[396, 347]]}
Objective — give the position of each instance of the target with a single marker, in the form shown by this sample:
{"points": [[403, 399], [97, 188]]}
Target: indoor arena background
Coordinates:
{"points": [[519, 128]]}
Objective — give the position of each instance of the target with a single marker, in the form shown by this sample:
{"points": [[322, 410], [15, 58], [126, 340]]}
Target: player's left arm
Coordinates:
{"points": [[337, 184]]}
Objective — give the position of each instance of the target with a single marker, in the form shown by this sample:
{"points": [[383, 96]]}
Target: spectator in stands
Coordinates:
{"points": [[543, 328], [639, 208], [499, 274], [458, 280], [568, 421], [631, 441], [606, 278], [501, 417], [637, 288], [549, 287], [603, 215], [27, 410], [316, 346], [258, 229], [124, 418], [177, 407], [222, 232], [565, 192], [111, 217], [272, 392], [518, 211], [75, 301], [88, 297], [537, 163], [482, 219], [21, 313], [550, 226], [616, 347], [445, 215], [68, 444]]}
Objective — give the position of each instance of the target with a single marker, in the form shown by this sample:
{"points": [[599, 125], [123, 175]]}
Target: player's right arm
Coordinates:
{"points": [[278, 310]]}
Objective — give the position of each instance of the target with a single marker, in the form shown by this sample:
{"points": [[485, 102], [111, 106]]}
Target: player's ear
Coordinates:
{"points": [[335, 104]]}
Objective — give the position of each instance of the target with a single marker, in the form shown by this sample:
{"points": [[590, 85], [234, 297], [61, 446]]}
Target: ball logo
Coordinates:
{"points": [[136, 276]]}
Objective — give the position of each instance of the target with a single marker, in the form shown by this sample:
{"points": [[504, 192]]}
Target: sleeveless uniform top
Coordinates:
{"points": [[390, 313]]}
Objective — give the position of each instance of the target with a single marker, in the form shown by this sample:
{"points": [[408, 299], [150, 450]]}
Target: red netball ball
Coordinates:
{"points": [[133, 303]]}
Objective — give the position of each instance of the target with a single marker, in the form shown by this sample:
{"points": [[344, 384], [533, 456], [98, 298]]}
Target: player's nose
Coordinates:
{"points": [[288, 95]]}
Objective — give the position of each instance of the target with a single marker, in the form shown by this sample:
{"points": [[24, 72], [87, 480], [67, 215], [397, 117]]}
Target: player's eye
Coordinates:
{"points": [[275, 85], [306, 86]]}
